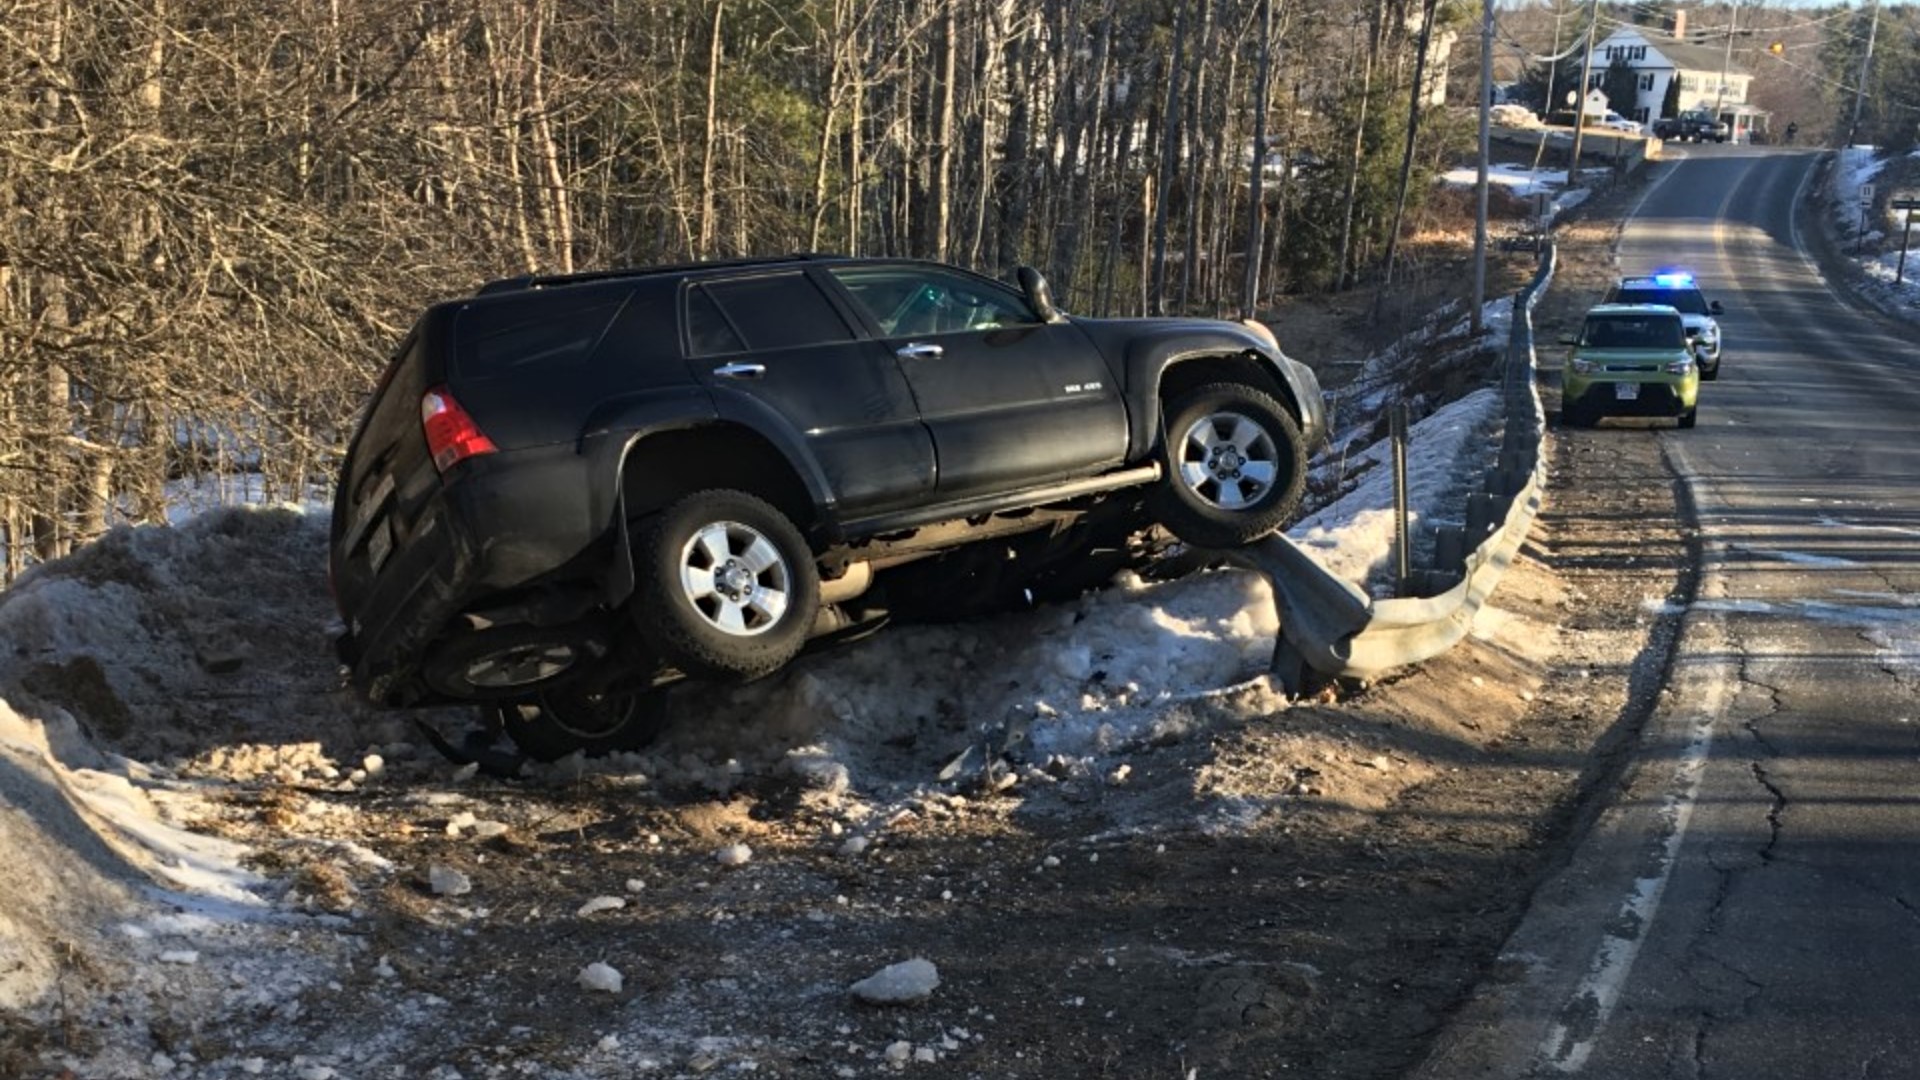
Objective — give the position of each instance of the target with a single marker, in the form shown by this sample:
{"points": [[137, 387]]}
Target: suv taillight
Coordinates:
{"points": [[452, 436]]}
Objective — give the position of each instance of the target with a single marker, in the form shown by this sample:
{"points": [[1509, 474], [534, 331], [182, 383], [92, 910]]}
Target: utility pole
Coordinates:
{"points": [[1480, 185], [1866, 65], [1726, 66], [1580, 95]]}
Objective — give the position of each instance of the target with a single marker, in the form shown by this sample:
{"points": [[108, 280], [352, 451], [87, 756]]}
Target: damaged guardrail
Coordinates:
{"points": [[1331, 626]]}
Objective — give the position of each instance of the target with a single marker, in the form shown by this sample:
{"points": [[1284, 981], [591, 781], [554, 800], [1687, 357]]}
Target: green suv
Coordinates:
{"points": [[1630, 360]]}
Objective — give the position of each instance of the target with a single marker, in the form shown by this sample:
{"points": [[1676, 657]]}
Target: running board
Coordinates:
{"points": [[1027, 499]]}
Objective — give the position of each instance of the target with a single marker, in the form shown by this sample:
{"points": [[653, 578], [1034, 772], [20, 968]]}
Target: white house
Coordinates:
{"points": [[1708, 80]]}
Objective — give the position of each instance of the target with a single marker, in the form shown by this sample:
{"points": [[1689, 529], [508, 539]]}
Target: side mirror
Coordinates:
{"points": [[1039, 297], [1715, 308]]}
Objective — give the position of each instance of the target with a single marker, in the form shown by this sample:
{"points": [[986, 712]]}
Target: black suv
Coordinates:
{"points": [[1694, 125], [569, 490]]}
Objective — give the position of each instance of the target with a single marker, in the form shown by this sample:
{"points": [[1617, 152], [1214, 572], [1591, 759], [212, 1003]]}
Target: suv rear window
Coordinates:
{"points": [[534, 328]]}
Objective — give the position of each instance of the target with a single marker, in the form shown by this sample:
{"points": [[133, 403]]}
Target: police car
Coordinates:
{"points": [[1678, 290]]}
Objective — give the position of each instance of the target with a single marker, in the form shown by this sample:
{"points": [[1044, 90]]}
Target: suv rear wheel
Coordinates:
{"points": [[727, 587], [564, 720], [1234, 462]]}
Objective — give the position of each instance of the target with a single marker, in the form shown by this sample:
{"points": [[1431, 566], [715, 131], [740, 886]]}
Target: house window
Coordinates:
{"points": [[1639, 53], [1646, 81]]}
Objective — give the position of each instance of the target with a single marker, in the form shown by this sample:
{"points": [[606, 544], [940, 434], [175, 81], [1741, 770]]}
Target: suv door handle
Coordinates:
{"points": [[741, 371], [915, 350]]}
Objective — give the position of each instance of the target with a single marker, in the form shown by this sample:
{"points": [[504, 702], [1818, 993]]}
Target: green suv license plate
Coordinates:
{"points": [[1626, 391]]}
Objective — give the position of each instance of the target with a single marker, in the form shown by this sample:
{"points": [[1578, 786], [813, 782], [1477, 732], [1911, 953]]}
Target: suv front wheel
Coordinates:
{"points": [[1234, 461], [726, 586]]}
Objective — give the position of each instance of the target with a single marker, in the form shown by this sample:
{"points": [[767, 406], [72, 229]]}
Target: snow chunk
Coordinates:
{"points": [[899, 1052], [446, 881], [599, 904], [734, 855], [183, 957], [601, 977], [904, 983]]}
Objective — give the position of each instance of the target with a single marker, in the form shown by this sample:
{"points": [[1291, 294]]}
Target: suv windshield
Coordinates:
{"points": [[1634, 332], [1685, 301]]}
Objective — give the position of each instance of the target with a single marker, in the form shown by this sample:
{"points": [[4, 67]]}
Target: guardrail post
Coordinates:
{"points": [[1449, 547], [1403, 554], [1480, 516]]}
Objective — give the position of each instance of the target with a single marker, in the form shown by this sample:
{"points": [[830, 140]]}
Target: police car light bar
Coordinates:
{"points": [[1673, 279]]}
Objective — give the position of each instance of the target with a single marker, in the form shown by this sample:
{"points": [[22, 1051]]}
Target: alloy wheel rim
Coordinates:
{"points": [[1228, 460], [734, 576], [521, 665]]}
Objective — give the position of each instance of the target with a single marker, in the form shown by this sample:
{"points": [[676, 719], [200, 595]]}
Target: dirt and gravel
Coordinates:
{"points": [[1251, 887]]}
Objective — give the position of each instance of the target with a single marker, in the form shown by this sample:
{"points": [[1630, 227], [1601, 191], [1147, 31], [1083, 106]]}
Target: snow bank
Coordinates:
{"points": [[1856, 167], [88, 846], [1354, 537]]}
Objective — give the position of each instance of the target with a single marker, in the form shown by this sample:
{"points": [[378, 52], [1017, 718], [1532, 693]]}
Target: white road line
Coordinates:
{"points": [[1564, 1050]]}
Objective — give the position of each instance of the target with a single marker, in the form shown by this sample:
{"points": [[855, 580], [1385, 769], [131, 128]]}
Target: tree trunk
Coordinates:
{"points": [[711, 142], [1413, 132], [1169, 143], [941, 199], [1256, 183], [1375, 30]]}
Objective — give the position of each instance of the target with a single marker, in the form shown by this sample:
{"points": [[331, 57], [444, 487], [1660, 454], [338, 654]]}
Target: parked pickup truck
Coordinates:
{"points": [[1694, 125], [569, 491]]}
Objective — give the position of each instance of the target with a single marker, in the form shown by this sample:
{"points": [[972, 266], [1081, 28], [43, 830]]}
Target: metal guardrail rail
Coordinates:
{"points": [[1331, 626]]}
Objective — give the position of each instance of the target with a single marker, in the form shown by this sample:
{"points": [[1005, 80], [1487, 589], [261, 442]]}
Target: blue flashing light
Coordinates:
{"points": [[1673, 279]]}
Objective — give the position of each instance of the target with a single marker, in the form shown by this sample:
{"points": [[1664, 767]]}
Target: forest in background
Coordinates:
{"points": [[217, 218]]}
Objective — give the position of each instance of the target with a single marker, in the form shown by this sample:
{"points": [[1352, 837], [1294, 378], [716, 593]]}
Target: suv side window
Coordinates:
{"points": [[767, 312], [708, 331], [909, 301]]}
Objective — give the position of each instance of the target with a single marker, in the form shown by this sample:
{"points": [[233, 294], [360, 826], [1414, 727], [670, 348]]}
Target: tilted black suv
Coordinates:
{"points": [[569, 490]]}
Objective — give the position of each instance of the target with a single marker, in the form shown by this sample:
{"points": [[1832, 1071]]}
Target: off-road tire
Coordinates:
{"points": [[1689, 418], [1218, 502], [699, 600]]}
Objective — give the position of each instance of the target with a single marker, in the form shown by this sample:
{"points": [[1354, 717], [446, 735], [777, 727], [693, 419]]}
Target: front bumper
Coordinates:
{"points": [[1609, 394]]}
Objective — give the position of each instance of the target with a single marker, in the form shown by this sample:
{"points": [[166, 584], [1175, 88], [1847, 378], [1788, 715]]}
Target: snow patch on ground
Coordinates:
{"points": [[1354, 538]]}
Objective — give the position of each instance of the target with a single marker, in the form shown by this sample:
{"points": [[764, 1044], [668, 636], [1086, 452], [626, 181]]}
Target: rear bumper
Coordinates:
{"points": [[506, 539]]}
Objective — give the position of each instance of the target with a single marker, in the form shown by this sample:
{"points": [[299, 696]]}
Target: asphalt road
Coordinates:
{"points": [[1749, 904]]}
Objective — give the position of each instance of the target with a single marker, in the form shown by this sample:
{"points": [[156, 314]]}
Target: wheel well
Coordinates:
{"points": [[662, 467], [1198, 371]]}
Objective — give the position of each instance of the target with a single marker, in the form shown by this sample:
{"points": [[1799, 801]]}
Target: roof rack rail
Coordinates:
{"points": [[544, 281]]}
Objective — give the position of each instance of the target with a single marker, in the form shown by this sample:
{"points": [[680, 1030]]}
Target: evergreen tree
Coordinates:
{"points": [[1621, 84]]}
